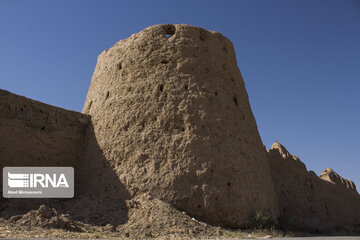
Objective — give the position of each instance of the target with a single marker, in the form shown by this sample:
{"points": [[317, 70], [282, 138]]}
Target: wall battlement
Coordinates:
{"points": [[330, 175], [308, 201]]}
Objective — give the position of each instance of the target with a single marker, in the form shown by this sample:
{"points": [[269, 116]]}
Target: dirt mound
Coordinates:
{"points": [[46, 217], [151, 217], [147, 217]]}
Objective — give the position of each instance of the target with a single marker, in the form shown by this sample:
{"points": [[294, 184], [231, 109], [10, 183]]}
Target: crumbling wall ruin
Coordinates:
{"points": [[307, 201], [37, 134], [171, 113], [170, 117]]}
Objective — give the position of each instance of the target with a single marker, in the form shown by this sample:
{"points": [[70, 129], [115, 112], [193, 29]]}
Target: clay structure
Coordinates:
{"points": [[308, 201], [171, 113], [167, 114]]}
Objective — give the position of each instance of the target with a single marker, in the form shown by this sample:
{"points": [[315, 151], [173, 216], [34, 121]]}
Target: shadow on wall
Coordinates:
{"points": [[99, 195], [309, 202]]}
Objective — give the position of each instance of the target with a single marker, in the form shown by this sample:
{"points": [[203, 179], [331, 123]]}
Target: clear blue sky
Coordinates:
{"points": [[300, 61]]}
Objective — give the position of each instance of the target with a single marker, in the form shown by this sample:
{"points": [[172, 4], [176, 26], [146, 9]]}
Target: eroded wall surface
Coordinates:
{"points": [[37, 134], [171, 113], [307, 201]]}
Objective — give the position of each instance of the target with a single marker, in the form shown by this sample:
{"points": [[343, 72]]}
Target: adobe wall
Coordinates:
{"points": [[307, 201], [37, 134], [171, 114]]}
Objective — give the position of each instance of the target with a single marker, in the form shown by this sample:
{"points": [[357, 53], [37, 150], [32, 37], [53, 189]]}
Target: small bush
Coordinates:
{"points": [[262, 220]]}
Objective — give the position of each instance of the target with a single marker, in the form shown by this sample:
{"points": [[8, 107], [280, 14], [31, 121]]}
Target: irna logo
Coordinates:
{"points": [[38, 182], [20, 180]]}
